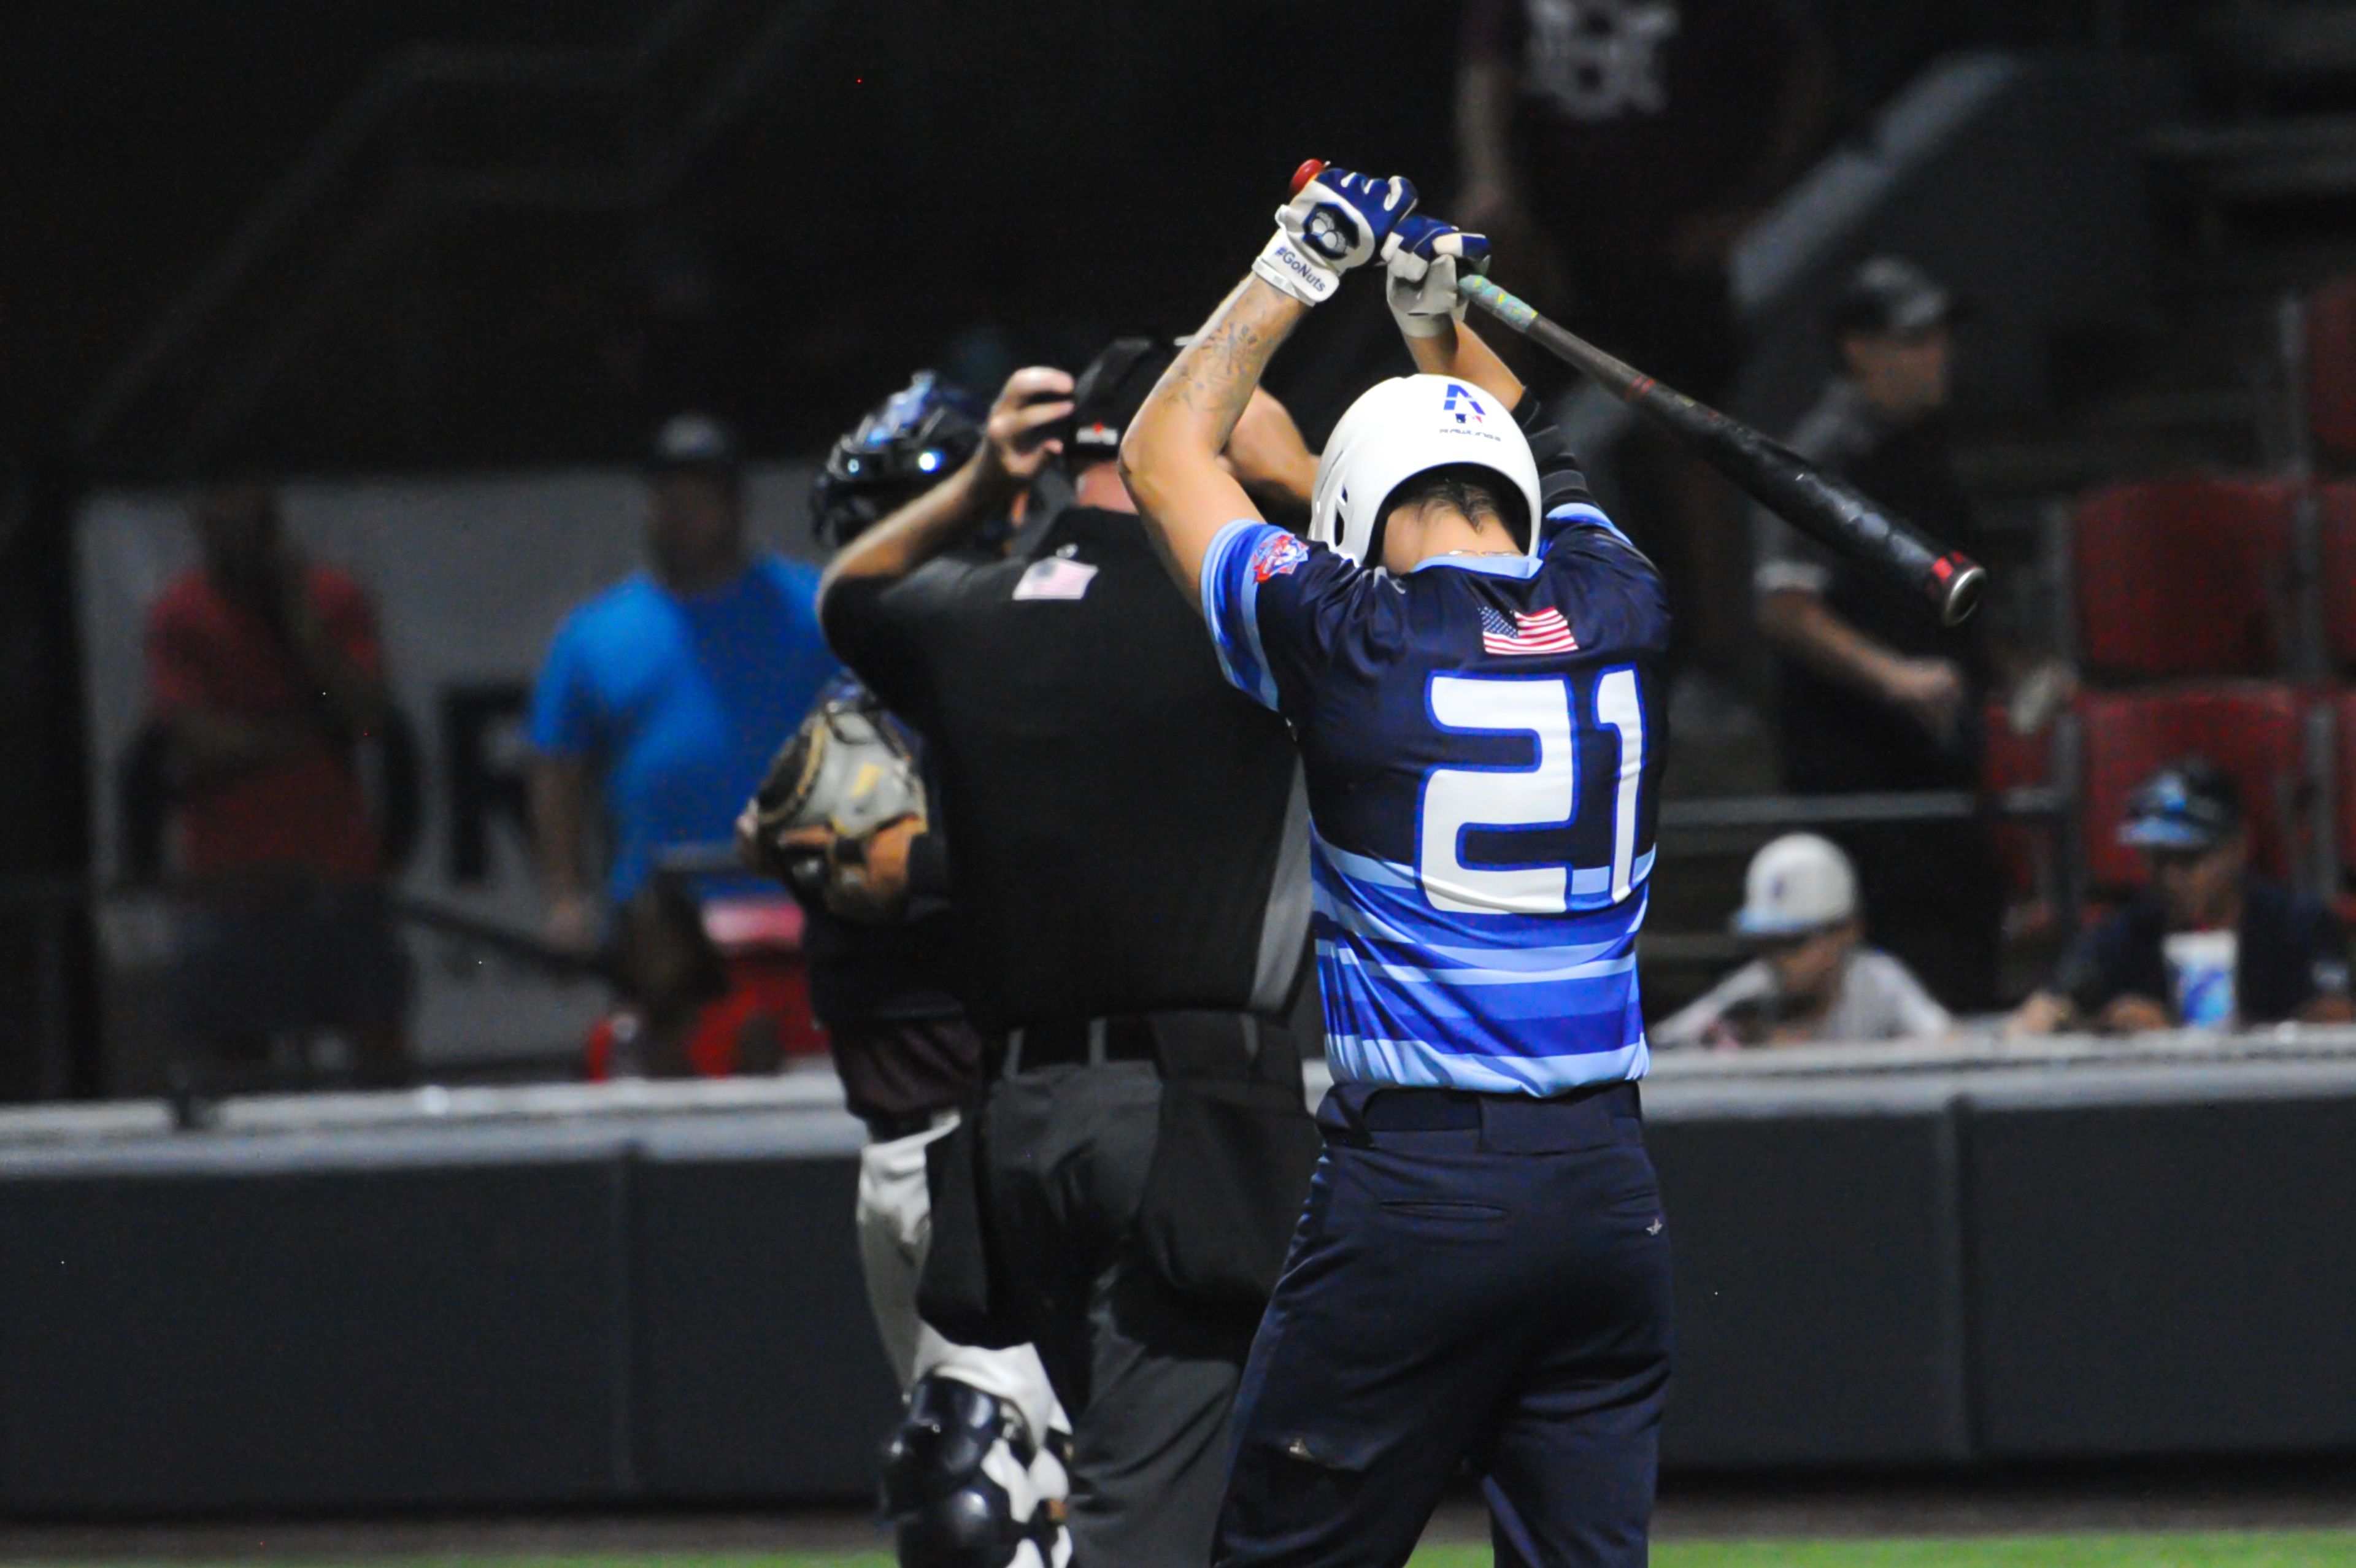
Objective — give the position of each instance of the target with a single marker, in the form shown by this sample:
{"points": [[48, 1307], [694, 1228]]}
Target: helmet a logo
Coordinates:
{"points": [[1463, 405]]}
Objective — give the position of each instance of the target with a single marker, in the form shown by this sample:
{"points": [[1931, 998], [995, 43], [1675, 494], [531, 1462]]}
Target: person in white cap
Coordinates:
{"points": [[1818, 980]]}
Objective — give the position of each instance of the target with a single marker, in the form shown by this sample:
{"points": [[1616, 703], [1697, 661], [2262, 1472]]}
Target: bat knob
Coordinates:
{"points": [[1958, 581], [1309, 170]]}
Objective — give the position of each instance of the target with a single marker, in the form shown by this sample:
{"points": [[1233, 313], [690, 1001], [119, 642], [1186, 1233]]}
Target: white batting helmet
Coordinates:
{"points": [[1403, 427]]}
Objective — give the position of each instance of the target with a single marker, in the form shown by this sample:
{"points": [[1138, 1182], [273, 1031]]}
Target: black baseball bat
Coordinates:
{"points": [[1836, 515]]}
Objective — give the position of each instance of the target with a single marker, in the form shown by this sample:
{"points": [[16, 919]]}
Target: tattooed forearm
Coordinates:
{"points": [[1214, 374], [1169, 456]]}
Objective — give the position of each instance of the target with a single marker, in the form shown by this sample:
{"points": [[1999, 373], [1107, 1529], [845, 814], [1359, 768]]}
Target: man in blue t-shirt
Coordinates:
{"points": [[1468, 653], [667, 693]]}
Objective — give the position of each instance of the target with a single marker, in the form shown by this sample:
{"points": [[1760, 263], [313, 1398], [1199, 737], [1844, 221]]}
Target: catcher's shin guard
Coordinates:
{"points": [[965, 1486]]}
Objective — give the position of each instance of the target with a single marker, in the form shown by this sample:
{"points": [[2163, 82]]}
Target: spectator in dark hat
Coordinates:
{"points": [[1873, 693], [2210, 944], [664, 696]]}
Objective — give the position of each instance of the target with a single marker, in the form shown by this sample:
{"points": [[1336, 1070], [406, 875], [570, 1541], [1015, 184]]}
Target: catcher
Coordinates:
{"points": [[976, 1475]]}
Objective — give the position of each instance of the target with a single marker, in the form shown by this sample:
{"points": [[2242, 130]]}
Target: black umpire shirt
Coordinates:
{"points": [[1125, 831]]}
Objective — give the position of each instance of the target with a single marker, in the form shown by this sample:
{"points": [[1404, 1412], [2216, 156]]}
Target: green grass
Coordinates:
{"points": [[2257, 1549], [2320, 1549]]}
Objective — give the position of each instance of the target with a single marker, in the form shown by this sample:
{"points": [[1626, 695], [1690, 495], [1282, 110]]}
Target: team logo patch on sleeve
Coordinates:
{"points": [[1279, 556], [1541, 632]]}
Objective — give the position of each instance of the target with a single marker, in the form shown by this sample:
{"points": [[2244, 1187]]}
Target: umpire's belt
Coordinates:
{"points": [[1523, 1123], [1078, 1042]]}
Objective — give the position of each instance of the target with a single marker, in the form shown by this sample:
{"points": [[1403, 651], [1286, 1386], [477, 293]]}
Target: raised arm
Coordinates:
{"points": [[1010, 457], [1419, 282], [1170, 458], [1462, 353]]}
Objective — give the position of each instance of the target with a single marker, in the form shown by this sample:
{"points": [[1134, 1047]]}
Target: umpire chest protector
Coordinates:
{"points": [[1127, 833]]}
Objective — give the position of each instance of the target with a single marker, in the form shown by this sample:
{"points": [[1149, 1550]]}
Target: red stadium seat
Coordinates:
{"points": [[2331, 371], [2338, 570], [2251, 728], [2344, 768], [2182, 577], [2016, 762]]}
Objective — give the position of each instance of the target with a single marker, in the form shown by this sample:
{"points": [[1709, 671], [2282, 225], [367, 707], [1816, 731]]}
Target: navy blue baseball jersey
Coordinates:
{"points": [[1482, 744]]}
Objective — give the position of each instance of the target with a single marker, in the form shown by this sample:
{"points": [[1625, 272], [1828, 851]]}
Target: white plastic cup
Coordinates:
{"points": [[2200, 968]]}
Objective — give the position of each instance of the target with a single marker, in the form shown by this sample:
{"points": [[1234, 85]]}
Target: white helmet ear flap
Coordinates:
{"points": [[1403, 427]]}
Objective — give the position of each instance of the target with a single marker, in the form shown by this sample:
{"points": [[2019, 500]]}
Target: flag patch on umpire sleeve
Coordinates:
{"points": [[1056, 576], [1279, 555]]}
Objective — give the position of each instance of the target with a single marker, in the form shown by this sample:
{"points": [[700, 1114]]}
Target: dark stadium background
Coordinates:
{"points": [[920, 182], [2062, 1278], [916, 169]]}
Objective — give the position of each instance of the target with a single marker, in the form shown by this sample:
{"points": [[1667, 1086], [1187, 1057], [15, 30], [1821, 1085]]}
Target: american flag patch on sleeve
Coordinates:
{"points": [[1535, 632]]}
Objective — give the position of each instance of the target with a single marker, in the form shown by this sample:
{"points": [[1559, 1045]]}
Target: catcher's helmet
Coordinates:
{"points": [[911, 441]]}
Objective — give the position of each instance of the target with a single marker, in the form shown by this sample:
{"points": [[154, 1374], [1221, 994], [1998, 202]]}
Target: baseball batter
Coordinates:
{"points": [[1466, 649]]}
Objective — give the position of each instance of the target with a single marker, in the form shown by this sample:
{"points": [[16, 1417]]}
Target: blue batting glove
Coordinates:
{"points": [[1335, 221], [1425, 256]]}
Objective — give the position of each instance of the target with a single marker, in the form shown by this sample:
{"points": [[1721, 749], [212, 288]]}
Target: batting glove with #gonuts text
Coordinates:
{"points": [[1425, 257], [1335, 221]]}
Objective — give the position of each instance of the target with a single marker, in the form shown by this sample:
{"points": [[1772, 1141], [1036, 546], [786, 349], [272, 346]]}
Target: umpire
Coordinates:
{"points": [[1134, 1217]]}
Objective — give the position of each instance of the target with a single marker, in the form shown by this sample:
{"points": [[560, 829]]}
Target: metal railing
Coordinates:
{"points": [[62, 913], [1787, 811], [56, 905]]}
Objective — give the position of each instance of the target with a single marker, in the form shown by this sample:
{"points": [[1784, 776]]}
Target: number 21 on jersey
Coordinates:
{"points": [[1544, 796]]}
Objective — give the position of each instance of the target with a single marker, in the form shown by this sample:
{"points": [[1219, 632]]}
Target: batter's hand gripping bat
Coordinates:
{"points": [[1835, 514]]}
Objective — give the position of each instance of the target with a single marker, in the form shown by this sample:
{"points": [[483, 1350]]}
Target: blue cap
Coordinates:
{"points": [[2190, 805]]}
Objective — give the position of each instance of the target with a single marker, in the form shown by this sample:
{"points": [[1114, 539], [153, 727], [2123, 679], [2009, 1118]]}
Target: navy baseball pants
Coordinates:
{"points": [[1480, 1278]]}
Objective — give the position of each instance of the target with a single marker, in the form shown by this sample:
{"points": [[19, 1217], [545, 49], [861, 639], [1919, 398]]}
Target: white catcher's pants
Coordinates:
{"points": [[895, 1230]]}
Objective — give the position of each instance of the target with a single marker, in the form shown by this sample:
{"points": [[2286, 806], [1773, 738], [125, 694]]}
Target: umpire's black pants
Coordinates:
{"points": [[1147, 1381], [1477, 1277]]}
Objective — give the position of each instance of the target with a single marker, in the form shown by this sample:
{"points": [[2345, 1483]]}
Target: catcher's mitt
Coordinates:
{"points": [[845, 776]]}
